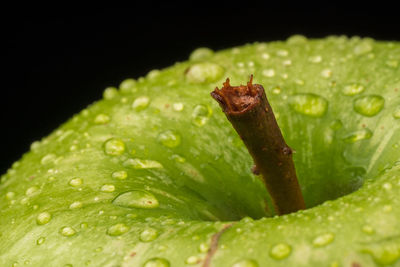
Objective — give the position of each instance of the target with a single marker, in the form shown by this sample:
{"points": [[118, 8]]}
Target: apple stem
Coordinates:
{"points": [[248, 110]]}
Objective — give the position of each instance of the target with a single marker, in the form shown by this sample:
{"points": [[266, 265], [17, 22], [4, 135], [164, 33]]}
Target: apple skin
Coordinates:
{"points": [[154, 175]]}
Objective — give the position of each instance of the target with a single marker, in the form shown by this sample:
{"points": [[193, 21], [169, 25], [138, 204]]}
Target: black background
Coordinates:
{"points": [[59, 60]]}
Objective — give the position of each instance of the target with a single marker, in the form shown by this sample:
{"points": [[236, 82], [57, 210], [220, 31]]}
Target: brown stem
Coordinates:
{"points": [[248, 110]]}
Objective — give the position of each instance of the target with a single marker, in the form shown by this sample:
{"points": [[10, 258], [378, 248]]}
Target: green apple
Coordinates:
{"points": [[154, 174]]}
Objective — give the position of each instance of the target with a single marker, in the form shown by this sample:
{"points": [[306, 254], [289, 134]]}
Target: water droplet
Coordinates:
{"points": [[309, 104], [67, 231], [75, 182], [268, 72], [110, 93], [315, 59], [40, 240], [114, 147], [326, 73], [201, 53], [265, 56], [31, 190], [385, 253], [136, 199], [396, 113], [156, 262], [108, 188], [353, 89], [118, 229], [287, 63], [141, 103], [121, 175], [151, 75], [169, 138], [148, 235], [368, 229], [43, 218], [200, 115], [84, 225], [245, 263], [359, 135], [101, 119], [204, 247], [276, 90], [387, 186], [280, 251], [76, 205], [297, 39], [142, 164], [178, 158], [127, 86], [369, 105], [323, 240], [282, 53], [191, 260], [178, 106], [363, 48], [49, 158], [10, 195], [204, 72]]}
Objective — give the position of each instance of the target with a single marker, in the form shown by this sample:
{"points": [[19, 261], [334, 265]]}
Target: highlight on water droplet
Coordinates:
{"points": [[191, 260], [40, 240], [75, 182], [201, 53], [323, 240], [141, 103], [67, 231], [369, 105], [142, 164], [43, 218], [245, 263], [353, 89], [118, 229], [148, 235], [200, 115], [280, 251], [309, 104], [127, 86], [76, 205], [157, 262], [114, 147], [178, 106], [169, 138], [101, 119], [136, 199], [359, 135], [204, 72], [107, 188], [110, 93], [31, 190], [121, 175], [49, 158]]}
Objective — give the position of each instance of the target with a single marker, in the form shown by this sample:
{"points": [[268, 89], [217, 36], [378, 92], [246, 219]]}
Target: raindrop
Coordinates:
{"points": [[157, 262], [118, 229], [169, 138], [43, 218], [114, 147], [127, 86], [245, 263], [369, 105], [396, 113], [204, 72], [136, 199], [49, 158], [353, 89], [148, 235], [323, 240], [76, 205], [315, 59], [359, 135], [178, 106], [191, 260], [309, 104], [101, 119], [200, 54], [31, 190], [121, 175], [280, 251], [108, 188], [326, 73], [40, 240], [200, 115], [75, 182], [268, 73], [67, 231], [142, 164], [110, 93], [141, 103]]}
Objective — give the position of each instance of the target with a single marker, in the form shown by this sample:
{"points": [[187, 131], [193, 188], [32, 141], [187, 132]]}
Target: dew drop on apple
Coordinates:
{"points": [[353, 89], [200, 115], [268, 73], [245, 263], [121, 175], [136, 199], [107, 188], [76, 205], [31, 190], [359, 135], [204, 72], [204, 247], [110, 93], [309, 104], [141, 103], [369, 105], [157, 262], [201, 53], [368, 229], [169, 138], [384, 254], [191, 260], [101, 119], [40, 240], [315, 59], [43, 218], [118, 229], [75, 182], [280, 251], [127, 86], [114, 147], [67, 231], [323, 240], [148, 235], [49, 158], [142, 164]]}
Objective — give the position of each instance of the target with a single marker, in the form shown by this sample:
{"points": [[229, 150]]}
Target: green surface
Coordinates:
{"points": [[148, 175]]}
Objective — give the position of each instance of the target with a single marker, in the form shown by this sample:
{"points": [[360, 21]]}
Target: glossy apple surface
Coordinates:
{"points": [[154, 174]]}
